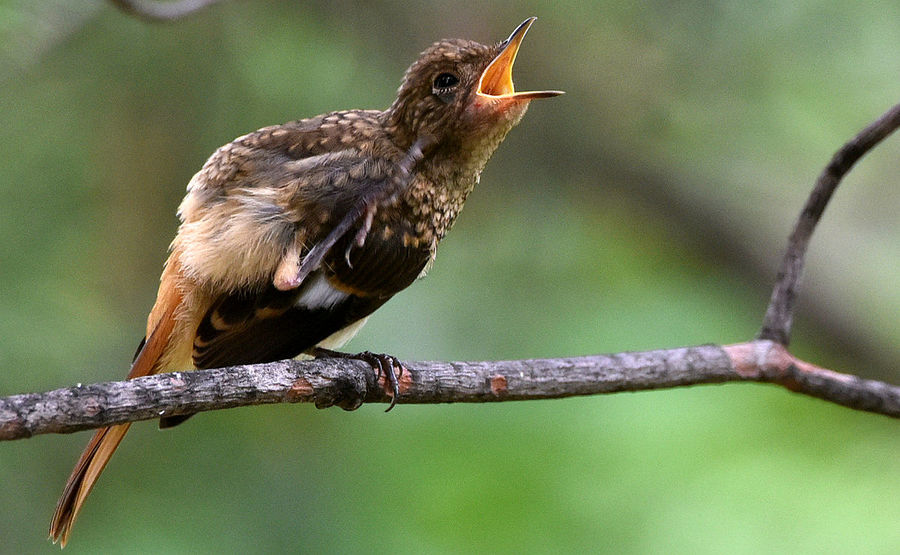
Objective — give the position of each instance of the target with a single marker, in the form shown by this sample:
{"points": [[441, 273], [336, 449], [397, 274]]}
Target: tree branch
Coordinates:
{"points": [[162, 11], [780, 312], [348, 383], [343, 382]]}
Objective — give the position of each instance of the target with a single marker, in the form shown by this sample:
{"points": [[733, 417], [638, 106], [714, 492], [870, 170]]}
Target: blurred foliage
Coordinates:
{"points": [[645, 209]]}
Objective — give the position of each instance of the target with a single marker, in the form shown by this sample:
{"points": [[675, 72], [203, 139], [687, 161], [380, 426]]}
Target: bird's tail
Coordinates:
{"points": [[92, 462], [104, 443]]}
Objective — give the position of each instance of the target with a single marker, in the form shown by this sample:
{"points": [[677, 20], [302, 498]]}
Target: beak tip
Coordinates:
{"points": [[521, 30], [496, 80], [534, 95]]}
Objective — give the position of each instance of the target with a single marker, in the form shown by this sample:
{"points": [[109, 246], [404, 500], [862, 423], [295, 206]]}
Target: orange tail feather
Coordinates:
{"points": [[104, 443], [92, 462]]}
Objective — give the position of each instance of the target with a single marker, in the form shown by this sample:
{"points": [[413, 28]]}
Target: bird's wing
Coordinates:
{"points": [[274, 325], [256, 209], [263, 211], [273, 193]]}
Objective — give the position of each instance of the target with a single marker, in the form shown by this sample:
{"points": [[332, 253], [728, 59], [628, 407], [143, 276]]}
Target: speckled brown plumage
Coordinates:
{"points": [[293, 234]]}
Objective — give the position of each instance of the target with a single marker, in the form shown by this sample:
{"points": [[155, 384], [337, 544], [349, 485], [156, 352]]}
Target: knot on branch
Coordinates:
{"points": [[332, 386], [768, 361], [13, 426]]}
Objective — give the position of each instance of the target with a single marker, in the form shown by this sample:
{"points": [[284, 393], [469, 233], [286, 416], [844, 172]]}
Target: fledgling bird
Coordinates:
{"points": [[292, 235]]}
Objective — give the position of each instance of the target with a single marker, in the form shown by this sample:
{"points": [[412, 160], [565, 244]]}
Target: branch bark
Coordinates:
{"points": [[348, 383], [343, 382]]}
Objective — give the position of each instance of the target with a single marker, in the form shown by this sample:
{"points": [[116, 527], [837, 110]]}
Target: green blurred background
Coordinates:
{"points": [[647, 208]]}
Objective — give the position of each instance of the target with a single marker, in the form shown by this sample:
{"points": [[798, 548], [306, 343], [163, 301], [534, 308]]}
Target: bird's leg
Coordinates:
{"points": [[360, 238], [392, 190], [383, 365]]}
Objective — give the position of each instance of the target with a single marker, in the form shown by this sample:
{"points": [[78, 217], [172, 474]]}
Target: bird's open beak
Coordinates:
{"points": [[496, 81]]}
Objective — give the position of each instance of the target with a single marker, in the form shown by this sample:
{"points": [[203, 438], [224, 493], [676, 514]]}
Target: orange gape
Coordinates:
{"points": [[291, 236]]}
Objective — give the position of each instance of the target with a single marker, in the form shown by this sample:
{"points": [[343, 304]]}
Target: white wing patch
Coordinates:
{"points": [[320, 294]]}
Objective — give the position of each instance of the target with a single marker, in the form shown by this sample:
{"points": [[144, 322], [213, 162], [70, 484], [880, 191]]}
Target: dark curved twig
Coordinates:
{"points": [[162, 11], [780, 312], [329, 382]]}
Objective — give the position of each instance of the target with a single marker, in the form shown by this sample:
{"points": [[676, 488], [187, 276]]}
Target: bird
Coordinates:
{"points": [[292, 235]]}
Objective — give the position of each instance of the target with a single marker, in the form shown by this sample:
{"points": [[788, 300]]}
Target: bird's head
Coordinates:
{"points": [[459, 94]]}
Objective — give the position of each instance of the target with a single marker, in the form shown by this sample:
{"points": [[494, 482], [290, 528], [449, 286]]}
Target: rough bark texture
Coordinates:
{"points": [[341, 382]]}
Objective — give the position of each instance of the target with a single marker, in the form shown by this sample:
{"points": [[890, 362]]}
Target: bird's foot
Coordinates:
{"points": [[383, 364], [359, 240]]}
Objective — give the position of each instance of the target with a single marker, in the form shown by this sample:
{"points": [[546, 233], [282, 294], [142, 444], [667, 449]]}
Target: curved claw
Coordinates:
{"points": [[382, 364], [394, 380]]}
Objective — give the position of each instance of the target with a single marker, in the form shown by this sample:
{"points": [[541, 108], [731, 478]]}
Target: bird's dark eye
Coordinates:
{"points": [[445, 81], [444, 87]]}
